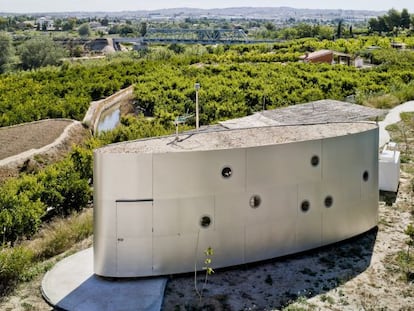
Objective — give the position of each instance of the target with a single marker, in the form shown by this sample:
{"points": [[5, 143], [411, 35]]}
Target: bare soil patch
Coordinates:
{"points": [[18, 139]]}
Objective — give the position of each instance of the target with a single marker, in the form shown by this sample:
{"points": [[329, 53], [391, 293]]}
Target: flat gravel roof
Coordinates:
{"points": [[206, 139], [321, 111]]}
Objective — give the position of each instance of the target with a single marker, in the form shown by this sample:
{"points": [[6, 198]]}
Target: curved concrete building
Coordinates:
{"points": [[250, 194]]}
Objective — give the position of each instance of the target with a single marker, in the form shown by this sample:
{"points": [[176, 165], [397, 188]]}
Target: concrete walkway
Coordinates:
{"points": [[392, 117], [72, 285]]}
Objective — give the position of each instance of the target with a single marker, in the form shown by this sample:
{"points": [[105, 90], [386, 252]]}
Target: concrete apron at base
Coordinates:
{"points": [[72, 285]]}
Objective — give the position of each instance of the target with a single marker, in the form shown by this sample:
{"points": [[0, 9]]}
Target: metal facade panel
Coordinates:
{"points": [[134, 219], [270, 239], [174, 254], [181, 216], [228, 245], [231, 210], [352, 217], [340, 161], [370, 164], [338, 222], [336, 219], [177, 254], [134, 238], [309, 223], [283, 164], [105, 218], [275, 203], [355, 207], [104, 256], [126, 176], [134, 257], [190, 174]]}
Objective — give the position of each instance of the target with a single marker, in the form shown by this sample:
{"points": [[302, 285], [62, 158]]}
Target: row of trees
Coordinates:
{"points": [[393, 21], [234, 78], [60, 189]]}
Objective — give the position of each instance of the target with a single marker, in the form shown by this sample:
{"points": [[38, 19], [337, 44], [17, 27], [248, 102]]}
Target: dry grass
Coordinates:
{"points": [[61, 234], [387, 101], [33, 258]]}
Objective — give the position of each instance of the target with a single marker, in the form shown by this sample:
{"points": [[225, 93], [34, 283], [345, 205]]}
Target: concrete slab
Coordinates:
{"points": [[72, 285]]}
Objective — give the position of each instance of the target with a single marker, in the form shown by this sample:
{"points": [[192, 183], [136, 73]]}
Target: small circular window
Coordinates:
{"points": [[305, 206], [226, 172], [365, 176], [205, 221], [255, 201], [315, 160], [328, 201]]}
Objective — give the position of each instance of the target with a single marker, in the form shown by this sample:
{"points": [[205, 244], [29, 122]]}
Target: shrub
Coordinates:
{"points": [[61, 234], [387, 101], [405, 92], [20, 209], [13, 262]]}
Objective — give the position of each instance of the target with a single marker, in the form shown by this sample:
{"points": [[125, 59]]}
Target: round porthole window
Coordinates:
{"points": [[328, 201], [365, 176], [226, 172], [205, 221], [255, 201], [305, 206], [315, 160]]}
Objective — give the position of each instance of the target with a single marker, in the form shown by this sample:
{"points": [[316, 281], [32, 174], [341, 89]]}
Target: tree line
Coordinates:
{"points": [[392, 22]]}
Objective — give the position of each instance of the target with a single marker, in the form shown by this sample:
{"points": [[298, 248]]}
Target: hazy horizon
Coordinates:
{"points": [[39, 6]]}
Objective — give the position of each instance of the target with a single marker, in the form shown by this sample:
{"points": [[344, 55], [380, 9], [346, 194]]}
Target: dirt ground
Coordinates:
{"points": [[21, 138]]}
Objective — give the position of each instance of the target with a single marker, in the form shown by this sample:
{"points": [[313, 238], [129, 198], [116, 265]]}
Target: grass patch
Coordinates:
{"points": [[23, 262], [405, 262], [386, 101], [61, 234]]}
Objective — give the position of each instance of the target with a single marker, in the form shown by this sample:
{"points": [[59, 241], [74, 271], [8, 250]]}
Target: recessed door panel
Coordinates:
{"points": [[134, 238]]}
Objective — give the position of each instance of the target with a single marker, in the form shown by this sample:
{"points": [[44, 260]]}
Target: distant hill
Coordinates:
{"points": [[277, 13], [240, 12]]}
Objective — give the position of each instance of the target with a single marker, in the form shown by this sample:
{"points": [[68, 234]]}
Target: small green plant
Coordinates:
{"points": [[208, 253], [328, 299], [410, 242], [410, 258]]}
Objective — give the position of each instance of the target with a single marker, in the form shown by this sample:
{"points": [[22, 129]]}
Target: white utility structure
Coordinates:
{"points": [[389, 168], [250, 194]]}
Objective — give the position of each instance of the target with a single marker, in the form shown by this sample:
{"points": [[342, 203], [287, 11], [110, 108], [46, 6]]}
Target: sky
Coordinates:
{"points": [[33, 6]]}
